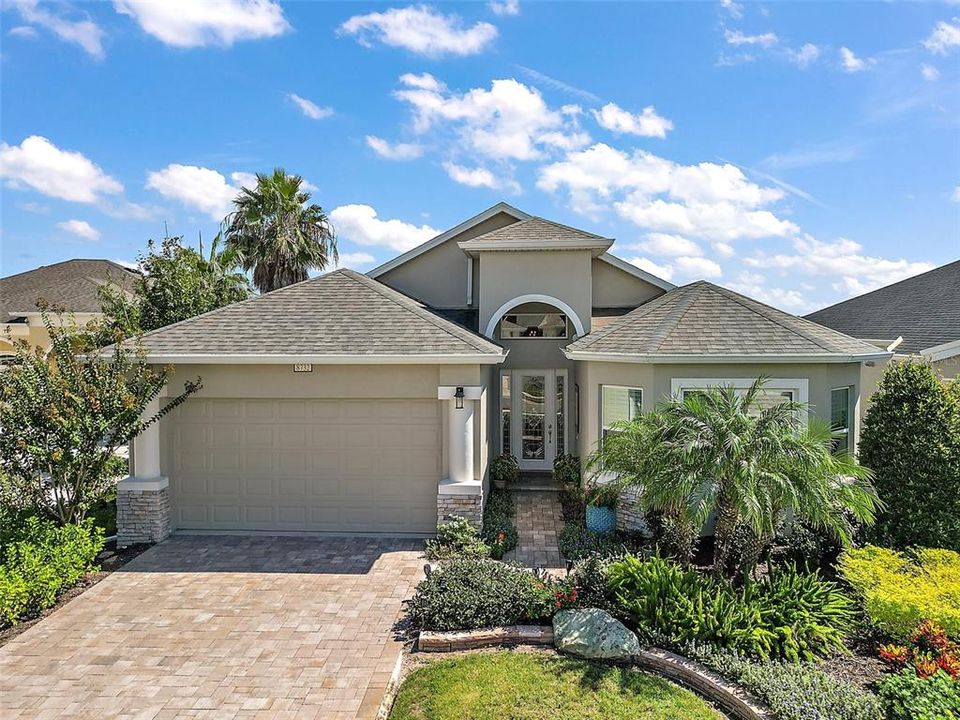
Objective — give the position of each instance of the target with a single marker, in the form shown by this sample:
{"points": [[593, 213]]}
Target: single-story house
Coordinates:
{"points": [[916, 316], [72, 285], [373, 403]]}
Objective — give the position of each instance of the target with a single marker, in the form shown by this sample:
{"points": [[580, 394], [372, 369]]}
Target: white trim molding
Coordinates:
{"points": [[657, 358], [267, 359], [942, 352], [596, 247], [800, 385], [534, 298]]}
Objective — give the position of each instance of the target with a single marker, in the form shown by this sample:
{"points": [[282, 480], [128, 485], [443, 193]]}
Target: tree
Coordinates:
{"points": [[177, 283], [277, 234], [911, 441], [63, 417], [720, 451]]}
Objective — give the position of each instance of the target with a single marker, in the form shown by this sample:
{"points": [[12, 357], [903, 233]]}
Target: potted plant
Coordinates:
{"points": [[601, 513], [504, 470]]}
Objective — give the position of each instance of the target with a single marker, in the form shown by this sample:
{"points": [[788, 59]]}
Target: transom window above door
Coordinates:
{"points": [[533, 325]]}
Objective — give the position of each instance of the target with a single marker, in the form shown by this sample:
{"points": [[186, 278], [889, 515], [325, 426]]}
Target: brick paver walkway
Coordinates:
{"points": [[221, 627], [539, 521]]}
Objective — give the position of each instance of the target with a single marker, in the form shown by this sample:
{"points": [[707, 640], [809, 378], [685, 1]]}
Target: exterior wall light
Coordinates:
{"points": [[458, 395]]}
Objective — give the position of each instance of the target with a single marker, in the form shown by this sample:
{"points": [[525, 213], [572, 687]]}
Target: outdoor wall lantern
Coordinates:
{"points": [[459, 397]]}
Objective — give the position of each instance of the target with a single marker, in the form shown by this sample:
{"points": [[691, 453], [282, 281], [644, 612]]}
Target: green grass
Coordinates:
{"points": [[536, 686]]}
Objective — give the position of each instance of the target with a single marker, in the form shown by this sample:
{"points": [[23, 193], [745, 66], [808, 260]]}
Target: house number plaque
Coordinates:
{"points": [[302, 367]]}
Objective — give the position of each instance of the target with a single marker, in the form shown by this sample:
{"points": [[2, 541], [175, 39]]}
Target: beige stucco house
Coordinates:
{"points": [[373, 403]]}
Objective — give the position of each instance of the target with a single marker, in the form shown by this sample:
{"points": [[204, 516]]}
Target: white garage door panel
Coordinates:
{"points": [[315, 465]]}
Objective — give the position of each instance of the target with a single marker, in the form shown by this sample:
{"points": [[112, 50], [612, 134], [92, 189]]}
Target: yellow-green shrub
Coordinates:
{"points": [[901, 590]]}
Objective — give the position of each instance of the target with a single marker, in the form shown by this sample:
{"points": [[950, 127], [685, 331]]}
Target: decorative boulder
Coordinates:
{"points": [[593, 633]]}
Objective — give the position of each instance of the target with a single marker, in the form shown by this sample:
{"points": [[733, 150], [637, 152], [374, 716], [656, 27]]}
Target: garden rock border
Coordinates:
{"points": [[722, 692]]}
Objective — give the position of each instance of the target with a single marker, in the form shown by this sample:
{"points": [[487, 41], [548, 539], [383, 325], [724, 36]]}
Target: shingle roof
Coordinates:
{"points": [[924, 309], [71, 284], [341, 313], [532, 231], [705, 319]]}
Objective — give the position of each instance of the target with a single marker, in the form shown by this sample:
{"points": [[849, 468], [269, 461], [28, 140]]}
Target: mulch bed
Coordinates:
{"points": [[110, 560]]}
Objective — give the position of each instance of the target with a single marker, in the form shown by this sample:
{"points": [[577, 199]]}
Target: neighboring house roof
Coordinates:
{"points": [[342, 316], [71, 284], [924, 310], [702, 321], [535, 233]]}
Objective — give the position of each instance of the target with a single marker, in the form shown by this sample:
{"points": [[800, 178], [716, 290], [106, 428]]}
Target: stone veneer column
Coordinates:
{"points": [[143, 498], [460, 494], [629, 513]]}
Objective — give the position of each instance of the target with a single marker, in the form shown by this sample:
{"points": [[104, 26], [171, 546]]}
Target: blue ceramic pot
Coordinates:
{"points": [[601, 519]]}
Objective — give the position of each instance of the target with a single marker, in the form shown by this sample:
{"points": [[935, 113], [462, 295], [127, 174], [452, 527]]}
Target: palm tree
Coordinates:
{"points": [[220, 267], [720, 451], [277, 234]]}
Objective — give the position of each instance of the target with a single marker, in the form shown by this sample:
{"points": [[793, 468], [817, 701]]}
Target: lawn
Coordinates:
{"points": [[538, 686]]}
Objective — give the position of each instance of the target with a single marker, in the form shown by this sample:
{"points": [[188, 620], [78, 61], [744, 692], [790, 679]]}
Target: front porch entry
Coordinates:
{"points": [[533, 416]]}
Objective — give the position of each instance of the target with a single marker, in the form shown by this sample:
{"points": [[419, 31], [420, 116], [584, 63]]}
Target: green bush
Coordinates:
{"points": [[589, 579], [566, 471], [906, 696], [41, 560], [456, 537], [576, 542], [911, 440], [788, 614], [900, 590], [793, 691], [499, 529], [504, 470], [466, 593]]}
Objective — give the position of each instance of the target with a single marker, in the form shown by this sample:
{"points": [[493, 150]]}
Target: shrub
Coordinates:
{"points": [[466, 593], [456, 537], [900, 591], [499, 529], [911, 440], [589, 578], [907, 696], [504, 470], [788, 614], [40, 561], [566, 471], [576, 542], [793, 691], [930, 650]]}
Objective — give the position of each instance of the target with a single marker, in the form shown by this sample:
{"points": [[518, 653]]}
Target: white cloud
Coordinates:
{"points": [[666, 245], [472, 177], [80, 228], [558, 84], [310, 108], [812, 155], [944, 37], [199, 188], [737, 38], [708, 201], [929, 72], [421, 30], [354, 260], [359, 224], [64, 174], [34, 207], [79, 29], [24, 31], [188, 23], [646, 124], [661, 271], [510, 121], [734, 8], [394, 151], [851, 63], [956, 194], [753, 285], [853, 272], [126, 263], [504, 7], [697, 267], [805, 56], [723, 249]]}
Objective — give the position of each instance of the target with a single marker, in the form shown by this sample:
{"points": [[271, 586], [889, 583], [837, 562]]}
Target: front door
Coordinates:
{"points": [[538, 417]]}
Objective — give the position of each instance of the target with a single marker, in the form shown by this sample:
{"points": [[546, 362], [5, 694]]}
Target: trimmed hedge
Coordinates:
{"points": [[40, 560]]}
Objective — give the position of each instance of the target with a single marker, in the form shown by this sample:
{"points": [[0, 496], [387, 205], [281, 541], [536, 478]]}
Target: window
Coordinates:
{"points": [[619, 403], [533, 325], [505, 412], [840, 418], [560, 408]]}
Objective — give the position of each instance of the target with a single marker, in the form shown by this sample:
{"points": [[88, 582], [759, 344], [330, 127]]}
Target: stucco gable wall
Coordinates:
{"points": [[614, 288]]}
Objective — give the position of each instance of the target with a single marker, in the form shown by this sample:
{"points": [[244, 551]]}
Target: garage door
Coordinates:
{"points": [[315, 465]]}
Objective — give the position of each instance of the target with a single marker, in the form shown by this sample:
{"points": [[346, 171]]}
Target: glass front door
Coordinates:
{"points": [[532, 405]]}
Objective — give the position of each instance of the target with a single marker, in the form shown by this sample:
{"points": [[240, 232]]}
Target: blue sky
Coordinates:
{"points": [[797, 152]]}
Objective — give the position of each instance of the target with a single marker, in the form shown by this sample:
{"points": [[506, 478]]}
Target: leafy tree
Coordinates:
{"points": [[277, 234], [911, 441], [64, 416], [720, 451], [177, 283]]}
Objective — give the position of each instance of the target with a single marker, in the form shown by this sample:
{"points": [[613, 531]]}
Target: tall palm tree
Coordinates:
{"points": [[221, 269], [277, 234], [721, 451]]}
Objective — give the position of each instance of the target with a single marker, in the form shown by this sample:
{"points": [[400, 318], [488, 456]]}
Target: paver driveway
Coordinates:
{"points": [[221, 627]]}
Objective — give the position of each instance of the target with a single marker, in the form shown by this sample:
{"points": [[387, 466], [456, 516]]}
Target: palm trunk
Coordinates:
{"points": [[750, 555], [727, 518], [678, 536]]}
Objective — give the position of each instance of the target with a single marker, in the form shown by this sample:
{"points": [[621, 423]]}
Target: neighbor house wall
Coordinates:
{"points": [[949, 368]]}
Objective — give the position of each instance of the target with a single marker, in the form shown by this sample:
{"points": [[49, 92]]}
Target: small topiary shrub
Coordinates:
{"points": [[467, 593], [499, 528], [566, 471], [793, 691], [39, 561], [899, 591], [907, 696], [576, 542], [456, 537], [504, 470], [789, 614]]}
